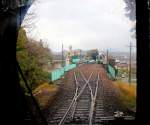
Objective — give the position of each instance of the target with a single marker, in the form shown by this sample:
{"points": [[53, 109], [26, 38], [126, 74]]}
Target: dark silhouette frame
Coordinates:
{"points": [[14, 103]]}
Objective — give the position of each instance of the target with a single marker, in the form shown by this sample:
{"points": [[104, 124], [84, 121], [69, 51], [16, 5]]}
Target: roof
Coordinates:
{"points": [[122, 65]]}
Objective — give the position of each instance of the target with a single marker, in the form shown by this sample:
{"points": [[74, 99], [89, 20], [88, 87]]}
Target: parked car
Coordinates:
{"points": [[123, 76], [91, 61]]}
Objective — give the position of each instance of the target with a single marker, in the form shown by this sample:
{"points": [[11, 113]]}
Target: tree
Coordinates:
{"points": [[37, 49], [131, 9], [33, 56], [112, 61], [91, 54], [30, 18], [131, 13]]}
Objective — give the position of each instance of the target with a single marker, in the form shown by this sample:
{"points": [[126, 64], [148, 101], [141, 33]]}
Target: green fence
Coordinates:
{"points": [[111, 72], [58, 73], [75, 60], [69, 67]]}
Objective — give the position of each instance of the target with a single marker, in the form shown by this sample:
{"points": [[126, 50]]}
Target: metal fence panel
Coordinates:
{"points": [[75, 60], [58, 73], [69, 67], [111, 71]]}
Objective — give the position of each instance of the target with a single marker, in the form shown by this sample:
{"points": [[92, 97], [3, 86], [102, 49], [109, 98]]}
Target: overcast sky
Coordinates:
{"points": [[84, 24]]}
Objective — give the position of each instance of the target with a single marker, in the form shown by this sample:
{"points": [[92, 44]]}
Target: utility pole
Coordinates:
{"points": [[107, 56], [80, 54], [130, 49], [62, 58], [130, 64]]}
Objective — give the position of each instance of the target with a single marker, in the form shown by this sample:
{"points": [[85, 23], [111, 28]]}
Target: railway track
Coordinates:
{"points": [[86, 104], [77, 111], [80, 108]]}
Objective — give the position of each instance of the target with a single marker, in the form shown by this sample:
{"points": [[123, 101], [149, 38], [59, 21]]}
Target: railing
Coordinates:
{"points": [[111, 72], [58, 73]]}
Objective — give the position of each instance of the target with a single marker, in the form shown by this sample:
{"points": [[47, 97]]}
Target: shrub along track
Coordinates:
{"points": [[86, 97]]}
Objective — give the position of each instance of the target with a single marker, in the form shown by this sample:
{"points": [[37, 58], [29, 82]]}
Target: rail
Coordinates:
{"points": [[76, 96], [93, 102]]}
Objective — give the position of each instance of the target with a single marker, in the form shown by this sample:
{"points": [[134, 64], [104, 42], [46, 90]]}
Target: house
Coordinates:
{"points": [[122, 65]]}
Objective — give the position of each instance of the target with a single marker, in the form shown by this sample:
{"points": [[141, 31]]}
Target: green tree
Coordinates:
{"points": [[112, 61], [131, 14], [91, 54], [130, 9], [32, 56]]}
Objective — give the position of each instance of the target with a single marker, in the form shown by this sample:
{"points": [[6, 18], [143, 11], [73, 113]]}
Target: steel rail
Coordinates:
{"points": [[75, 104], [84, 86], [76, 96], [88, 84], [93, 102], [93, 98], [74, 109]]}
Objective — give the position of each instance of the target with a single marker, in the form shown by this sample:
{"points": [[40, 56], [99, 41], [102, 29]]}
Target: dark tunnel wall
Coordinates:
{"points": [[13, 99], [14, 105]]}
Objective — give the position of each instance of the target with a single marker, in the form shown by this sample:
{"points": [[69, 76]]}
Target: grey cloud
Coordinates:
{"points": [[83, 23]]}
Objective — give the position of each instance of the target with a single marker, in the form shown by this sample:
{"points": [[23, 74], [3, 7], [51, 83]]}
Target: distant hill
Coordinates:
{"points": [[124, 56], [58, 55]]}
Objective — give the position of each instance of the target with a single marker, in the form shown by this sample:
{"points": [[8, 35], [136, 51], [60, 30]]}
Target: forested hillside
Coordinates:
{"points": [[33, 57]]}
